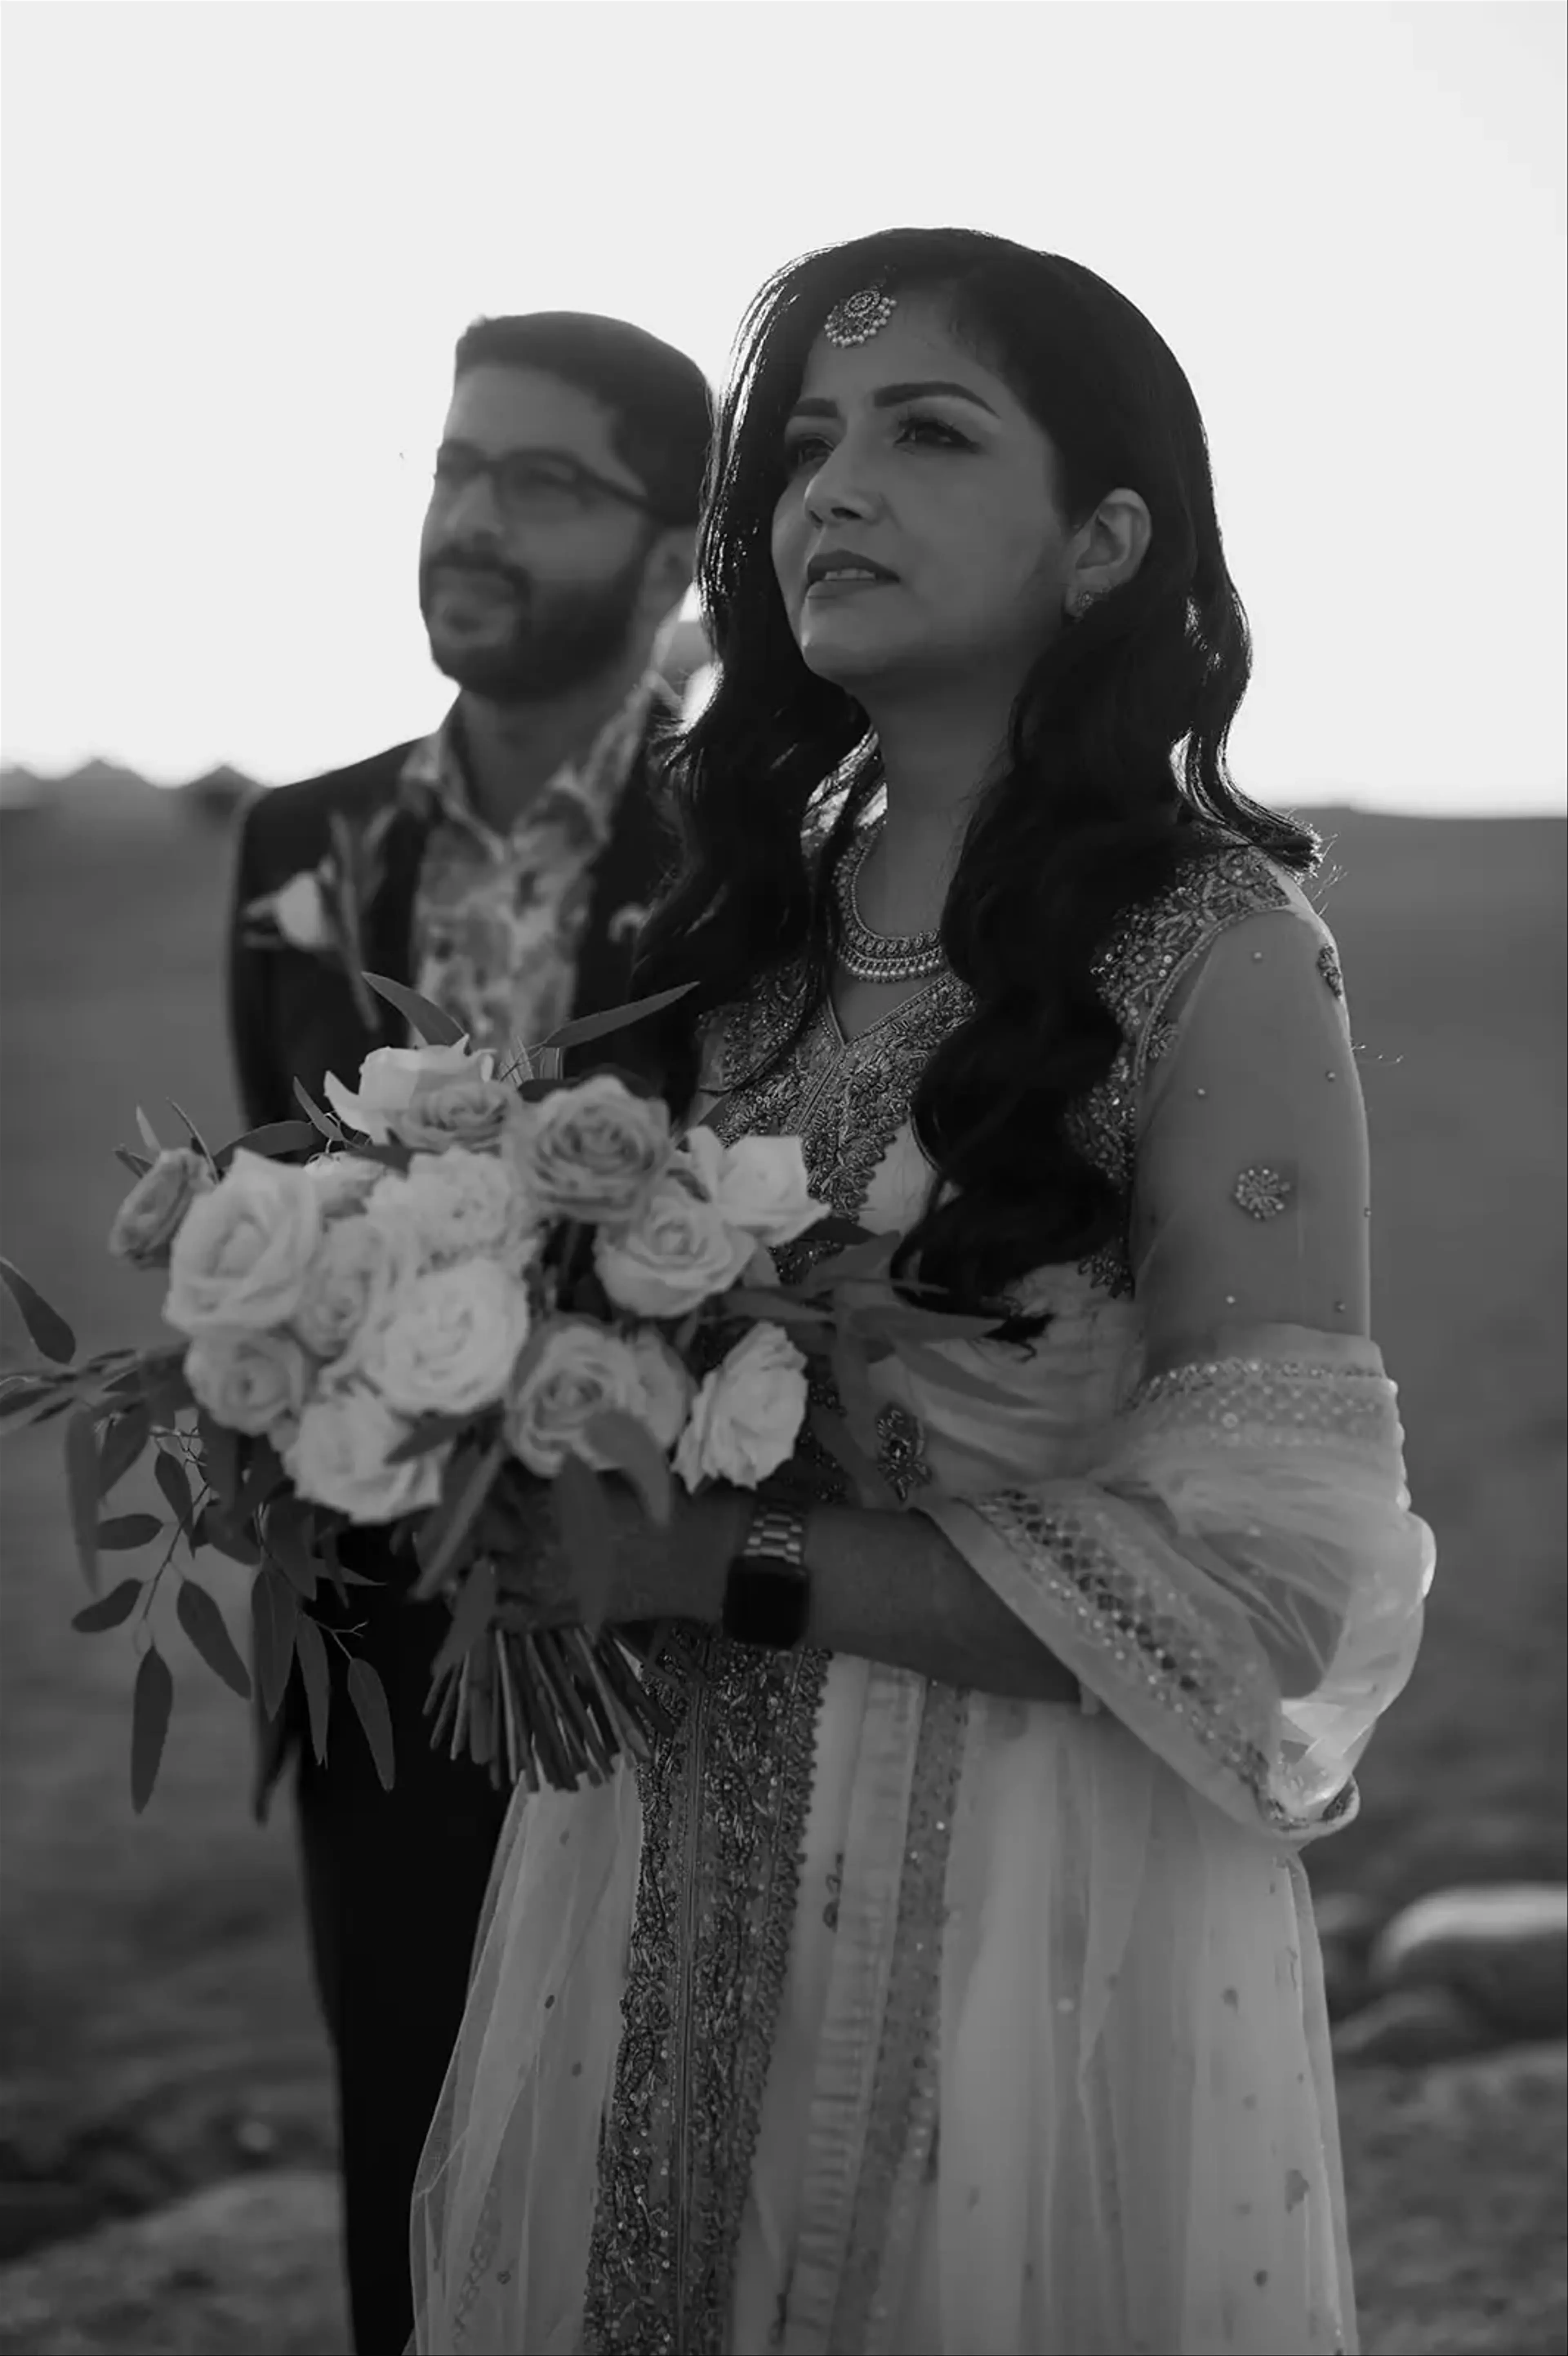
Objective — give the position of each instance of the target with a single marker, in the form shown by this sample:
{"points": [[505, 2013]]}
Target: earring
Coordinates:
{"points": [[1083, 600]]}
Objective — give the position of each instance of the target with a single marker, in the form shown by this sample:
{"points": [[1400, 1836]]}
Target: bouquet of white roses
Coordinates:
{"points": [[476, 1286]]}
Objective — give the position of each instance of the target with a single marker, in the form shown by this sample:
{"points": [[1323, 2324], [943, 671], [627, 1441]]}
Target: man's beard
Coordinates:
{"points": [[579, 635]]}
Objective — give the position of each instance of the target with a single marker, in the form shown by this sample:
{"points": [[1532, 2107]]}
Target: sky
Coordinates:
{"points": [[241, 240]]}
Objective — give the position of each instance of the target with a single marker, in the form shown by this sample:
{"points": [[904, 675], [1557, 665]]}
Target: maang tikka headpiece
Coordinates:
{"points": [[860, 317]]}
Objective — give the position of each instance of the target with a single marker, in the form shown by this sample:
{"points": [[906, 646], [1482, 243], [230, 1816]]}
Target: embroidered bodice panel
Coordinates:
{"points": [[1048, 1404]]}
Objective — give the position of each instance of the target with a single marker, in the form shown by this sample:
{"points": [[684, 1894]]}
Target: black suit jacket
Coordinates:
{"points": [[291, 1015]]}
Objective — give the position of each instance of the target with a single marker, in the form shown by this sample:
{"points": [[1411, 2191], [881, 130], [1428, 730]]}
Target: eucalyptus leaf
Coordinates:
{"points": [[431, 1023], [175, 1483], [319, 1121], [152, 1702], [167, 1392], [852, 1377], [273, 1139], [128, 1530], [219, 1452], [614, 1018], [311, 1646], [897, 1321], [18, 1393], [195, 1135], [203, 1622], [286, 1533], [81, 1480], [369, 1699], [149, 1134], [137, 1164], [264, 1476], [779, 1308], [111, 1611], [219, 1530], [632, 1449], [46, 1326], [873, 1491], [474, 1611], [430, 1431], [274, 1622], [441, 1537]]}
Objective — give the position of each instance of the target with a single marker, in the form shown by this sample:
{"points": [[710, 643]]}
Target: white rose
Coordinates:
{"points": [[251, 1382], [241, 1254], [338, 1457], [343, 1182], [593, 1151], [449, 1341], [361, 1267], [680, 1252], [748, 1414], [300, 909], [667, 1387], [460, 1205], [391, 1077], [149, 1218], [583, 1370], [466, 1110], [759, 1183]]}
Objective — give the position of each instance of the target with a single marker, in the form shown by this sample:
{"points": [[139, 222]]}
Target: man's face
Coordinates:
{"points": [[532, 576]]}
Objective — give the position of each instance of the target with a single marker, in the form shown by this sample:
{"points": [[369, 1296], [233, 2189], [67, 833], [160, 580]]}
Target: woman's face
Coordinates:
{"points": [[907, 455]]}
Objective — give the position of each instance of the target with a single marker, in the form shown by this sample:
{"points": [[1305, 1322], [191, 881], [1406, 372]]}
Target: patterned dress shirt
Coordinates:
{"points": [[498, 918]]}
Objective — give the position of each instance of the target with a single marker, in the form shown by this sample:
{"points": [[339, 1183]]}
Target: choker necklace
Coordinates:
{"points": [[867, 956]]}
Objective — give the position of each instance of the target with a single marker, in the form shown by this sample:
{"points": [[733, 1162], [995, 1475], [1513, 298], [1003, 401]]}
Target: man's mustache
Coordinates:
{"points": [[481, 568]]}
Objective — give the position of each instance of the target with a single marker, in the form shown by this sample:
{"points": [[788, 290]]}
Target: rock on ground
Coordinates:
{"points": [[1457, 2196], [1503, 1950]]}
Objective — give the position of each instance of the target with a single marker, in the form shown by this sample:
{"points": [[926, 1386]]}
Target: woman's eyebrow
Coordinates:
{"points": [[889, 396]]}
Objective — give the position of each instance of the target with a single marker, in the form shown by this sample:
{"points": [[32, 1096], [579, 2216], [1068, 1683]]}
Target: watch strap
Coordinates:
{"points": [[767, 1594]]}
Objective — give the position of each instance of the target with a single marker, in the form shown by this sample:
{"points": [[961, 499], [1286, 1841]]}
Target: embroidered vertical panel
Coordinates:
{"points": [[902, 2124], [725, 1798]]}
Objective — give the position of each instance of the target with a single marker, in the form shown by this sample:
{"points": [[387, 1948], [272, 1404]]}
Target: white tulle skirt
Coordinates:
{"points": [[1133, 2145]]}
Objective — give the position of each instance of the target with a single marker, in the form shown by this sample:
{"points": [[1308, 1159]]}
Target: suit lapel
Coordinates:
{"points": [[627, 879], [389, 920], [342, 1038]]}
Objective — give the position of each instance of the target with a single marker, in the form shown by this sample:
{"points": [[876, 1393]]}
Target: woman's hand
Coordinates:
{"points": [[676, 1572]]}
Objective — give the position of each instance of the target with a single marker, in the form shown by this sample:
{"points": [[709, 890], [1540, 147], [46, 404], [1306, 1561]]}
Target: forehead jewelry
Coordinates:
{"points": [[860, 317]]}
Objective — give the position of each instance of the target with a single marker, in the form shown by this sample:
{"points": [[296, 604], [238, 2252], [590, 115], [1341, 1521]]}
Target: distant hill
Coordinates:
{"points": [[104, 796]]}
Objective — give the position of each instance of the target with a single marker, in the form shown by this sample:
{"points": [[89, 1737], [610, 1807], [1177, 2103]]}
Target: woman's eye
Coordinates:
{"points": [[936, 432], [808, 451]]}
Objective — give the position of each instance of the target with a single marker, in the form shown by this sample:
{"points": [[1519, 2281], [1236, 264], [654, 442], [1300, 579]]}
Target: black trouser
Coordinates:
{"points": [[394, 1883]]}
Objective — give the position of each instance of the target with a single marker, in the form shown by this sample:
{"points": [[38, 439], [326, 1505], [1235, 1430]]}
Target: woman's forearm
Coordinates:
{"points": [[885, 1587], [894, 1588]]}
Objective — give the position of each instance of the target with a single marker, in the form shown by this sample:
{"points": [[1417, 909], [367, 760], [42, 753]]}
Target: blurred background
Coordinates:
{"points": [[239, 243]]}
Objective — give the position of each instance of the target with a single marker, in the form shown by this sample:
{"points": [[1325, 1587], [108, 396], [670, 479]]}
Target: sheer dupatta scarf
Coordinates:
{"points": [[1237, 1573]]}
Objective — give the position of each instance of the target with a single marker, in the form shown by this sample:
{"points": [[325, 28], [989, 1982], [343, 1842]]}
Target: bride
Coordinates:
{"points": [[947, 1982]]}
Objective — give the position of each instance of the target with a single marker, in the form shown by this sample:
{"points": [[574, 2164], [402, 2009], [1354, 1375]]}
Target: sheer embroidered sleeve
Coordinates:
{"points": [[1240, 1578]]}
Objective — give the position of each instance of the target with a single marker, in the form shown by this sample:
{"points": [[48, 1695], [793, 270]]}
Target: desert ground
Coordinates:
{"points": [[159, 2040]]}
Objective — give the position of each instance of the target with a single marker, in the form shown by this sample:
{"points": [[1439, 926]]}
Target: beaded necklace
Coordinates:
{"points": [[867, 956]]}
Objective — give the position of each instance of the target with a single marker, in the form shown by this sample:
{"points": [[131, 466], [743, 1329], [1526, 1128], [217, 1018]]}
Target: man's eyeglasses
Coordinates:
{"points": [[532, 485]]}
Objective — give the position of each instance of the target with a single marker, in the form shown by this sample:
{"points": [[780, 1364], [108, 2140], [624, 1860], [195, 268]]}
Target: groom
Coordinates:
{"points": [[507, 862]]}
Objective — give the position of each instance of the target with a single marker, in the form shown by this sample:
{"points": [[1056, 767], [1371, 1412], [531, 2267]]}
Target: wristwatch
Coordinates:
{"points": [[767, 1594]]}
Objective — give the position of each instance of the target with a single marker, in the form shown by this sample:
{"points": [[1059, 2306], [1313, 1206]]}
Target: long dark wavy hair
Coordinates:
{"points": [[1115, 770]]}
